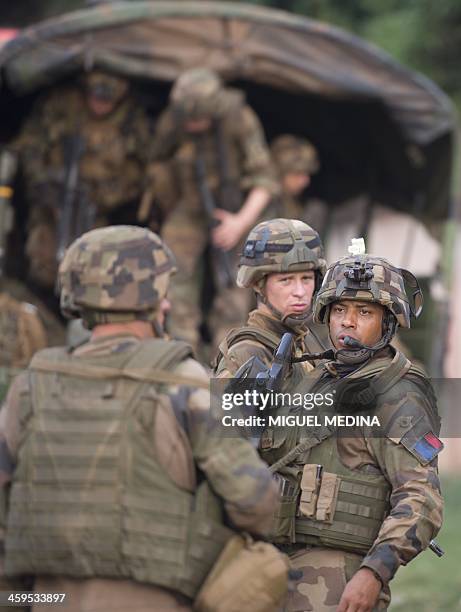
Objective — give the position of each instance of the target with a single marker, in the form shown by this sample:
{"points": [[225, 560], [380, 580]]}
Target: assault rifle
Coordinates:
{"points": [[258, 379], [8, 165], [254, 374], [77, 213], [272, 379], [220, 259]]}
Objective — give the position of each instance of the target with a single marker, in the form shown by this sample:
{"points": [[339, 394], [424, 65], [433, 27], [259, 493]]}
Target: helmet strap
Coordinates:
{"points": [[262, 297], [292, 321], [157, 328]]}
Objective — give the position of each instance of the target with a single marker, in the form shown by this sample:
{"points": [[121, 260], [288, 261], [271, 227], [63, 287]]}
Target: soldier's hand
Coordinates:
{"points": [[229, 231], [361, 592]]}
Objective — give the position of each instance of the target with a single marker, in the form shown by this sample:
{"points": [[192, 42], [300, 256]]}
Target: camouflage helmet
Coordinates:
{"points": [[197, 94], [280, 245], [294, 155], [106, 87], [369, 279], [115, 274]]}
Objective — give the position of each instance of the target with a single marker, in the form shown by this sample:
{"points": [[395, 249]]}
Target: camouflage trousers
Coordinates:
{"points": [[320, 580], [186, 233]]}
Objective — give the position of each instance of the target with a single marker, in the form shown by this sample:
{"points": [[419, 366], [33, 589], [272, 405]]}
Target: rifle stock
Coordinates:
{"points": [[77, 213]]}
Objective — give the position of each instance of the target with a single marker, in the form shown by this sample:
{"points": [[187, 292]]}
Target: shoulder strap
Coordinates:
{"points": [[385, 374], [315, 438], [161, 355], [265, 337]]}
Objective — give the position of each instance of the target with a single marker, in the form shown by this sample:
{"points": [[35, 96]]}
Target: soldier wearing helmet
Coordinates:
{"points": [[283, 262], [358, 504], [21, 334], [21, 328], [296, 160], [117, 429], [225, 180], [98, 130]]}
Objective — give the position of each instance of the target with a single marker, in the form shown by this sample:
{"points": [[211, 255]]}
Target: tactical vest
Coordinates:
{"points": [[89, 497], [6, 376], [270, 340], [323, 502]]}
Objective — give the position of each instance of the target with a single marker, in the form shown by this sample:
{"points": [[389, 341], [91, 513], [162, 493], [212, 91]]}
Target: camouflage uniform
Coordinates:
{"points": [[295, 247], [112, 166], [21, 335], [143, 408], [294, 155], [361, 501], [55, 329], [235, 159]]}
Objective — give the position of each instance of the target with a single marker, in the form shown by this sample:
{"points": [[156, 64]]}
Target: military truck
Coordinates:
{"points": [[384, 133]]}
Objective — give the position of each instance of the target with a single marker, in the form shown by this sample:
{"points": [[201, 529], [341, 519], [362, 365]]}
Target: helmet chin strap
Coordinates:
{"points": [[294, 321], [157, 329]]}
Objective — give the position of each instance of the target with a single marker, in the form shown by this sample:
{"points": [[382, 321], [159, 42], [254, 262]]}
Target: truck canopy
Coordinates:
{"points": [[381, 129]]}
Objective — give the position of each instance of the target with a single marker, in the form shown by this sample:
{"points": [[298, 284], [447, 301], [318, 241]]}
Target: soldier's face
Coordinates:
{"points": [[360, 320], [99, 107], [294, 183], [196, 126], [290, 293]]}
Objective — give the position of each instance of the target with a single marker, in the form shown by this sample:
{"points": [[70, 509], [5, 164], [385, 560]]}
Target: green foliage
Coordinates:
{"points": [[429, 583], [438, 48], [424, 34]]}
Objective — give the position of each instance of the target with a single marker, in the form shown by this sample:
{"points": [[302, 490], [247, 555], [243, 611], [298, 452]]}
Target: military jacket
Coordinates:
{"points": [[113, 162], [376, 495], [21, 335], [260, 337], [146, 429], [233, 151], [55, 329]]}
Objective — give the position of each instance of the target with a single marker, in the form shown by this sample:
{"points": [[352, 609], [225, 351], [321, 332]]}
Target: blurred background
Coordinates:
{"points": [[425, 36]]}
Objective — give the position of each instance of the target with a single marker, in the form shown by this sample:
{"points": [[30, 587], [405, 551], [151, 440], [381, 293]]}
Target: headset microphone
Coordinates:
{"points": [[353, 343]]}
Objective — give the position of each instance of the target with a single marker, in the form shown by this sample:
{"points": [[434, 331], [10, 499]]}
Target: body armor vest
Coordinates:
{"points": [[323, 502], [6, 376], [89, 497], [270, 340]]}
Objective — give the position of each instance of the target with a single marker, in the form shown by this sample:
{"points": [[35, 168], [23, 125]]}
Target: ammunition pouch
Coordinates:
{"points": [[283, 530], [247, 577], [331, 510]]}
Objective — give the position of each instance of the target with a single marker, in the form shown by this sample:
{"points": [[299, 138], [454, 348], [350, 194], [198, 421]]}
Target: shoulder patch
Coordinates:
{"points": [[425, 448]]}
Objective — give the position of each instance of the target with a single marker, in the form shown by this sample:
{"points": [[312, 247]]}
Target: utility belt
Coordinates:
{"points": [[330, 510]]}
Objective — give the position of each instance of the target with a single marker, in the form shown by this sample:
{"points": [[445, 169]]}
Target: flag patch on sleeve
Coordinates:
{"points": [[427, 447]]}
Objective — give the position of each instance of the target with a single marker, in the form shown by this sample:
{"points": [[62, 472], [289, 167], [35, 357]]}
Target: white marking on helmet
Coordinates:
{"points": [[357, 247]]}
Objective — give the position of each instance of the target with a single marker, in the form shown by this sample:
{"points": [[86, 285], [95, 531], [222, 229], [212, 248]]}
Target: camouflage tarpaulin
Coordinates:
{"points": [[267, 48]]}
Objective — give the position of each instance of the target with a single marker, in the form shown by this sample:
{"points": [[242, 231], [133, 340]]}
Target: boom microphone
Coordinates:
{"points": [[353, 343]]}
